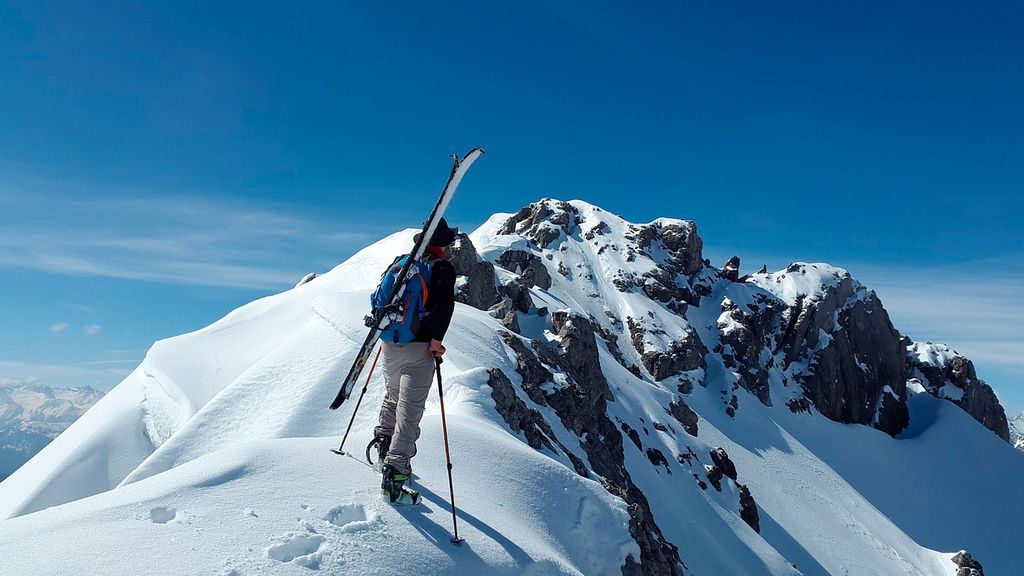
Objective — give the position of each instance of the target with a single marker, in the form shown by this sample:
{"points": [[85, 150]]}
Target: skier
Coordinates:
{"points": [[409, 367]]}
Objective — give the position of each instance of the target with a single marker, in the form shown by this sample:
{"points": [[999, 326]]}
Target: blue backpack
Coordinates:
{"points": [[405, 316]]}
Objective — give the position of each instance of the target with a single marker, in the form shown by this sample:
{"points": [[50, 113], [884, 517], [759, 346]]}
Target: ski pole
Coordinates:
{"points": [[341, 449], [447, 453]]}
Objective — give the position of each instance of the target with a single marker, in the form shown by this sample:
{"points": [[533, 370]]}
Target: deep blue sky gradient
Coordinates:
{"points": [[884, 137]]}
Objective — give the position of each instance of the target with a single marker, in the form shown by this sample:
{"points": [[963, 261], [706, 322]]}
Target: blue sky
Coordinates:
{"points": [[161, 165]]}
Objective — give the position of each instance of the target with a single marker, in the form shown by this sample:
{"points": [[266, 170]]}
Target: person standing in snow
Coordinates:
{"points": [[409, 368]]}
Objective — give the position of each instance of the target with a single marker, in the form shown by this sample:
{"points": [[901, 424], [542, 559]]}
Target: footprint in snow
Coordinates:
{"points": [[162, 514], [298, 548], [351, 518]]}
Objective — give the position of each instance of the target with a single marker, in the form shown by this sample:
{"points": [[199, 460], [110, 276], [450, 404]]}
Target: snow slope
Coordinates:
{"points": [[212, 456]]}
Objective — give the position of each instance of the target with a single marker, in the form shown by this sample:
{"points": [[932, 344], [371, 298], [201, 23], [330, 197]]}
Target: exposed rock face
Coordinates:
{"points": [[580, 358], [812, 331], [966, 565], [949, 375], [714, 475], [529, 421], [533, 373], [748, 508], [731, 269], [530, 268], [724, 468], [600, 229], [506, 312], [679, 237], [679, 356], [544, 222], [745, 334], [855, 355], [657, 458], [684, 415], [517, 414], [724, 463], [581, 405], [480, 289], [520, 295]]}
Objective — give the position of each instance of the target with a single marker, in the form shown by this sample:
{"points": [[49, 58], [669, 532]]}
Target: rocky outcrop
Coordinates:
{"points": [[580, 355], [856, 370], [684, 415], [506, 312], [966, 565], [520, 296], [678, 237], [947, 374], [543, 222], [724, 463], [748, 508], [479, 289], [678, 356], [723, 468], [528, 421], [530, 268], [600, 229], [731, 269], [745, 334], [533, 373], [581, 405]]}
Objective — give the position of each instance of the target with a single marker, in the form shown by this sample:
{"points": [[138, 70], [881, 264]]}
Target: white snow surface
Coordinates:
{"points": [[212, 456]]}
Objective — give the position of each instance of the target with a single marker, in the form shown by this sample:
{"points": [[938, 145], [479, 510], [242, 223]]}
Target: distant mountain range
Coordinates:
{"points": [[33, 415]]}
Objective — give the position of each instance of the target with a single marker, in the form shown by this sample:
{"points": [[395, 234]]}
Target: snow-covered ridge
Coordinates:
{"points": [[617, 405], [810, 281]]}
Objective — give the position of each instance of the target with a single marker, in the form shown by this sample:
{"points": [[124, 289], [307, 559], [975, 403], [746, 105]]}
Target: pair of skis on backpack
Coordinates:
{"points": [[393, 487]]}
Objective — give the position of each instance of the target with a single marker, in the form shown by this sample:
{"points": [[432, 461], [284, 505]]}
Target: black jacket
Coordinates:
{"points": [[440, 302]]}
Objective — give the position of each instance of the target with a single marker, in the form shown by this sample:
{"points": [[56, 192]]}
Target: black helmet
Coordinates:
{"points": [[443, 235]]}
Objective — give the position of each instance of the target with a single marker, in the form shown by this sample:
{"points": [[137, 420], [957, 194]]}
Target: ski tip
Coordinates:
{"points": [[472, 152]]}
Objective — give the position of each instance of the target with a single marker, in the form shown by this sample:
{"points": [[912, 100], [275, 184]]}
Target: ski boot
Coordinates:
{"points": [[383, 444], [393, 487]]}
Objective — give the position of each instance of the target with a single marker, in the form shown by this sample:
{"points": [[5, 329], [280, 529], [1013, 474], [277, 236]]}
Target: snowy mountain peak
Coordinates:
{"points": [[1016, 429], [616, 405], [802, 280]]}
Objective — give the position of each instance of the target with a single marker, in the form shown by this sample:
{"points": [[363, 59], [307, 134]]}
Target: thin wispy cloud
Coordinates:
{"points": [[976, 307], [58, 327], [109, 363], [92, 329], [172, 239], [61, 375]]}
